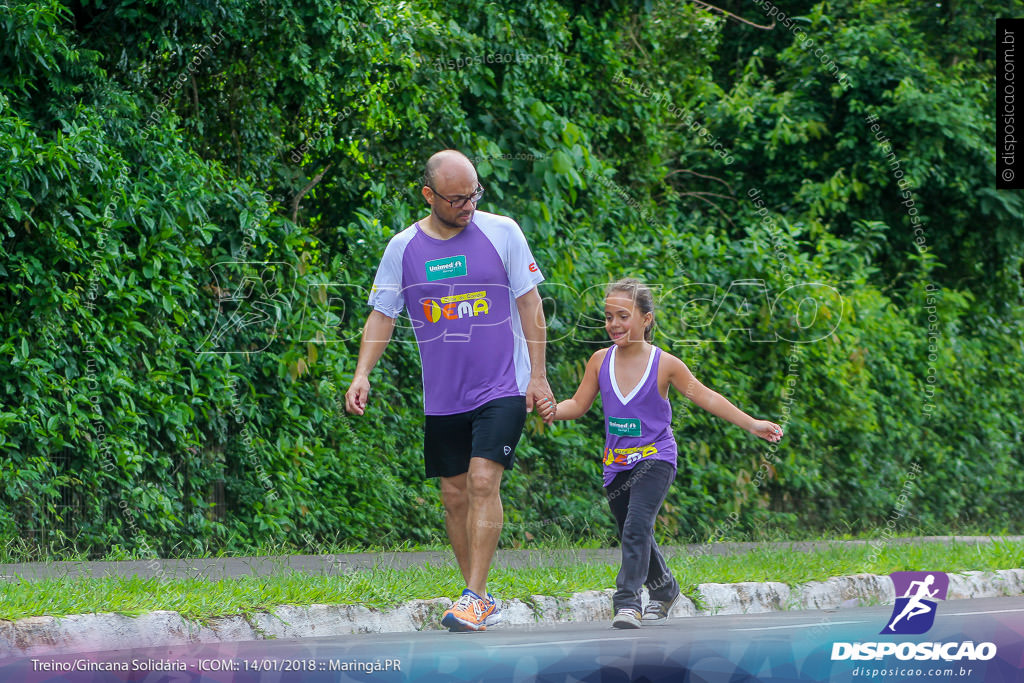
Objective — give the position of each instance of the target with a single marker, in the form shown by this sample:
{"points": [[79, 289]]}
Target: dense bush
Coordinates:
{"points": [[196, 196]]}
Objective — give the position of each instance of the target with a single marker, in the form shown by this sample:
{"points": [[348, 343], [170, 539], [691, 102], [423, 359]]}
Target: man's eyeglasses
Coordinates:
{"points": [[459, 202]]}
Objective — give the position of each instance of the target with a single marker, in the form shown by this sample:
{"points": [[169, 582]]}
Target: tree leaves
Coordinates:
{"points": [[147, 238]]}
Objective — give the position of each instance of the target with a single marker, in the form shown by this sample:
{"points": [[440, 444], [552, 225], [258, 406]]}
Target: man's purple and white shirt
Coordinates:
{"points": [[460, 295]]}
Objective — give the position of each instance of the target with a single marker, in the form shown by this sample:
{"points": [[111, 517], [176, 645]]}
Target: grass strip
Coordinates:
{"points": [[383, 587], [15, 549]]}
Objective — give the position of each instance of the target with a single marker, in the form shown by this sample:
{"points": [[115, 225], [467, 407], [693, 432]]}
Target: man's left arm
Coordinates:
{"points": [[531, 315]]}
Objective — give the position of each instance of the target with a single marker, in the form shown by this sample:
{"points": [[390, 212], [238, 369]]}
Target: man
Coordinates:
{"points": [[469, 284]]}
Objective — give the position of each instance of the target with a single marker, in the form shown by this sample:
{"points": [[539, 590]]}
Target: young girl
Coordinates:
{"points": [[633, 377]]}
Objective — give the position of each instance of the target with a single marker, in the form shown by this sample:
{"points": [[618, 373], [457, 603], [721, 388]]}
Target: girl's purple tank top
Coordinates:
{"points": [[638, 426]]}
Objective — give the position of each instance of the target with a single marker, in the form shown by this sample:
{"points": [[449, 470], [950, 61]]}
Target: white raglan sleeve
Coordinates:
{"points": [[523, 273], [386, 293]]}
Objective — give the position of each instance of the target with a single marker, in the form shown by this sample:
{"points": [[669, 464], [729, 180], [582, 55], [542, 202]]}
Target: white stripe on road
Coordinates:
{"points": [[836, 623], [816, 623], [758, 628], [995, 611], [568, 642]]}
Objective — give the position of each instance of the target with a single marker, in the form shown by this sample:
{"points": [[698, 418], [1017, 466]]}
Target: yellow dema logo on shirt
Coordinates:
{"points": [[628, 456], [456, 307]]}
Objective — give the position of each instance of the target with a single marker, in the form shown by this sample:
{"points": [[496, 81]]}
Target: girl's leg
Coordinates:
{"points": [[661, 584], [635, 498], [618, 502]]}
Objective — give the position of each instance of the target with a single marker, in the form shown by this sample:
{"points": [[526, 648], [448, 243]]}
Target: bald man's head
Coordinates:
{"points": [[451, 188], [446, 166]]}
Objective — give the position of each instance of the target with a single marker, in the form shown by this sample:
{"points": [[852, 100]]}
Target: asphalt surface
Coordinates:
{"points": [[781, 646], [218, 568]]}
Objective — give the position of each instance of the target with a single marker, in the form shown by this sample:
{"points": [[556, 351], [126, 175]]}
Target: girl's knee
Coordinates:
{"points": [[637, 531]]}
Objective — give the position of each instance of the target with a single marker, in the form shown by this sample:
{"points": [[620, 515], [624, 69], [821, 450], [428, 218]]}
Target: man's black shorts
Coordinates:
{"points": [[490, 431]]}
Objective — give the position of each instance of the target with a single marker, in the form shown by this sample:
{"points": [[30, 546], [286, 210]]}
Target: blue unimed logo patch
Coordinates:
{"points": [[916, 596], [442, 268], [624, 426]]}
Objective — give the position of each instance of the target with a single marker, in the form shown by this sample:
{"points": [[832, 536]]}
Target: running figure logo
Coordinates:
{"points": [[914, 612]]}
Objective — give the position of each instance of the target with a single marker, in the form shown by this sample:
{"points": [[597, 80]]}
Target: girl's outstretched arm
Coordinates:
{"points": [[682, 379], [580, 403]]}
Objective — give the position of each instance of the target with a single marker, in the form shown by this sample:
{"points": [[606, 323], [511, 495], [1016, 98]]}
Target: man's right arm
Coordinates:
{"points": [[376, 335]]}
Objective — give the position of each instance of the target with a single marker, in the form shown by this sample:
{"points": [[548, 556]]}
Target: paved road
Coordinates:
{"points": [[783, 646], [217, 568]]}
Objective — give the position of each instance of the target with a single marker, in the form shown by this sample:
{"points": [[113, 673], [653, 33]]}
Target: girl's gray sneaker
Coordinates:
{"points": [[626, 618], [657, 610]]}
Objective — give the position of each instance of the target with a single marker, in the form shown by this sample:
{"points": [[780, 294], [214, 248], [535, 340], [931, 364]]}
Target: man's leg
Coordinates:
{"points": [[497, 427], [447, 444], [456, 508], [484, 519]]}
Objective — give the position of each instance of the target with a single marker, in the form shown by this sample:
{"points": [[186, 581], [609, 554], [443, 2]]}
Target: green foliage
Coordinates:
{"points": [[191, 218]]}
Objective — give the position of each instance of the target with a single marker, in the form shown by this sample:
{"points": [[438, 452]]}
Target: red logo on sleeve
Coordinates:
{"points": [[533, 267]]}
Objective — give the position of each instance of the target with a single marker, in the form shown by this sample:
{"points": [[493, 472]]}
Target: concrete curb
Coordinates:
{"points": [[35, 636]]}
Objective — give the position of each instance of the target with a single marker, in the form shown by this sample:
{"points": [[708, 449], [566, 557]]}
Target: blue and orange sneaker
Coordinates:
{"points": [[470, 613]]}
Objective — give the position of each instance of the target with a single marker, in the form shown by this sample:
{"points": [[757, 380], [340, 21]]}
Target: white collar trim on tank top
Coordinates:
{"points": [[639, 385]]}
